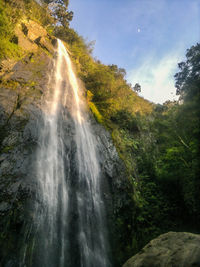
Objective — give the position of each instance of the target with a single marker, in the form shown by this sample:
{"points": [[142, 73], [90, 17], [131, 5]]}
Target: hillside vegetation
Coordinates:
{"points": [[159, 144]]}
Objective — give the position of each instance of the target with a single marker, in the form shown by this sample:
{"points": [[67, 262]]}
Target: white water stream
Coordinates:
{"points": [[72, 216]]}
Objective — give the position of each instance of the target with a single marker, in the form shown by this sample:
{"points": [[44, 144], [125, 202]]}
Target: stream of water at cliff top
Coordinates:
{"points": [[71, 220]]}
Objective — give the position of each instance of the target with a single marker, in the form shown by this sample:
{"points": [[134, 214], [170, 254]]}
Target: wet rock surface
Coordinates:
{"points": [[22, 86], [19, 141], [177, 249], [117, 193]]}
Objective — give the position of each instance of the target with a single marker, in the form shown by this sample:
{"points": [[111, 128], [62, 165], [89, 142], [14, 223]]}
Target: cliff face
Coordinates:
{"points": [[22, 86]]}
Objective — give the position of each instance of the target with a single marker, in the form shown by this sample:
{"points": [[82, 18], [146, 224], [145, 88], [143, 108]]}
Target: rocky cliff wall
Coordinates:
{"points": [[23, 84]]}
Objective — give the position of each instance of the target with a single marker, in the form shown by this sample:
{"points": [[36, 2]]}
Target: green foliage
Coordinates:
{"points": [[125, 120], [68, 35], [162, 159], [177, 165], [10, 14], [29, 8], [100, 82], [59, 10], [152, 216], [168, 161], [5, 23], [159, 144], [39, 13], [8, 48], [188, 79], [94, 109]]}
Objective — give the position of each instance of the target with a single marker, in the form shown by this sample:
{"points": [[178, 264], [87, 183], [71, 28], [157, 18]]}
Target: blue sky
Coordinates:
{"points": [[146, 37]]}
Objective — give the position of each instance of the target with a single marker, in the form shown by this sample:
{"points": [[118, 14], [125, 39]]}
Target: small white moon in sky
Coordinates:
{"points": [[138, 30]]}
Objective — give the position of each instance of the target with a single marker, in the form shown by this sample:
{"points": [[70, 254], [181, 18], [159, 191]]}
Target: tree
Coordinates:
{"points": [[188, 78], [118, 72], [137, 88], [59, 10]]}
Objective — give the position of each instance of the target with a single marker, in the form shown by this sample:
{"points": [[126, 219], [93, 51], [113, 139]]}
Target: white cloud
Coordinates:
{"points": [[157, 78]]}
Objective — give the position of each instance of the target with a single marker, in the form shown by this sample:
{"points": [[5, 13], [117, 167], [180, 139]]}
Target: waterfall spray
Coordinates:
{"points": [[71, 220]]}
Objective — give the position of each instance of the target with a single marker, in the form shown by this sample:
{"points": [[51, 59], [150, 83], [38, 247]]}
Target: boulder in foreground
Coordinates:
{"points": [[177, 249]]}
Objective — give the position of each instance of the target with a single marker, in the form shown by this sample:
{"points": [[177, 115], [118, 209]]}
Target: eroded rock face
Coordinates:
{"points": [[20, 122], [29, 35], [23, 84], [33, 30], [177, 249], [117, 192]]}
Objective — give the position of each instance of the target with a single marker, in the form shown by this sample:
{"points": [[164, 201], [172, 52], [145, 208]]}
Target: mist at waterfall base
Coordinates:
{"points": [[70, 217]]}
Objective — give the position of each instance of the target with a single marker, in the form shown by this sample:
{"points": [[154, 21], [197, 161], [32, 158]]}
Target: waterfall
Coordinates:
{"points": [[70, 211]]}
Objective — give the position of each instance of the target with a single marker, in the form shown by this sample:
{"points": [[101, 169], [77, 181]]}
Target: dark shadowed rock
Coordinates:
{"points": [[44, 43], [169, 250]]}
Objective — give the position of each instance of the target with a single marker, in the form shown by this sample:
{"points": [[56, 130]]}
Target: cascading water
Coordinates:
{"points": [[70, 211]]}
